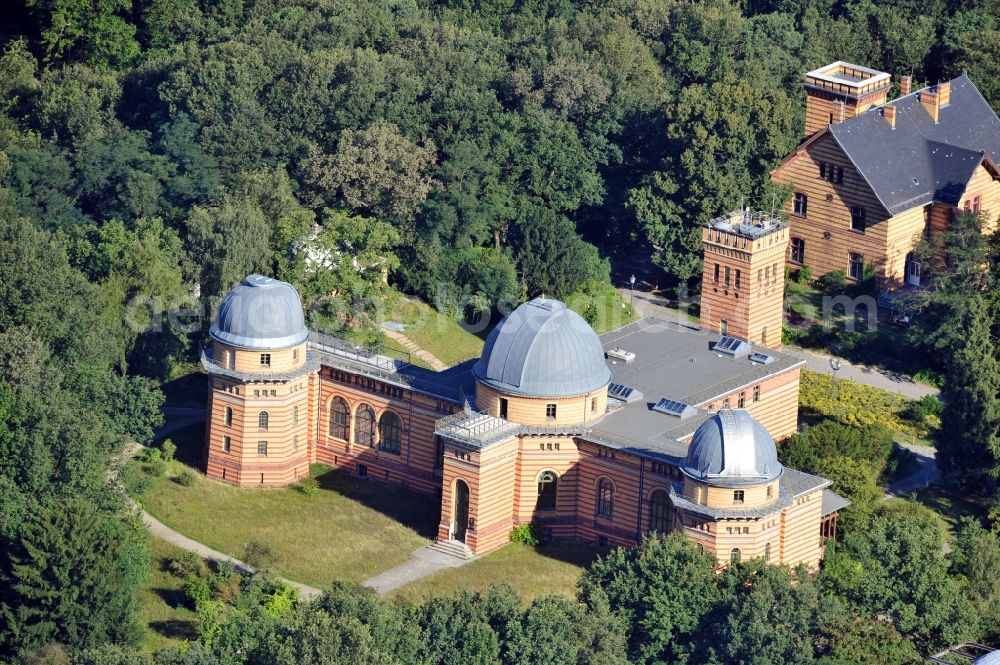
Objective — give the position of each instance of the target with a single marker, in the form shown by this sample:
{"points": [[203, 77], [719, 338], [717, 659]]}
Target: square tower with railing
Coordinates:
{"points": [[840, 91], [743, 279]]}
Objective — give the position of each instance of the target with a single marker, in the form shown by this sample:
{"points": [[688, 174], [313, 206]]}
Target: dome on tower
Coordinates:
{"points": [[260, 313], [732, 448], [543, 349]]}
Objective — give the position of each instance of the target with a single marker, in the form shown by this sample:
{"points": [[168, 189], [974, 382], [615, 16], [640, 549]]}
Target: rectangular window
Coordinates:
{"points": [[856, 267], [770, 491], [295, 355], [741, 400], [256, 393], [716, 273], [798, 251], [265, 360], [823, 170], [262, 448], [858, 219], [274, 393], [977, 202], [738, 496], [724, 327], [727, 276], [756, 394], [737, 278], [725, 403], [227, 444], [800, 204], [503, 407], [838, 175], [593, 404], [550, 411]]}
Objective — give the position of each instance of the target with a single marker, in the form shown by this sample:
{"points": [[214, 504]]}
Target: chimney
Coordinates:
{"points": [[930, 99], [889, 113], [944, 94], [905, 85]]}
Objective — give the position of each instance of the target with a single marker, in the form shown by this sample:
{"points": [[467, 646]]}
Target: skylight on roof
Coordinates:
{"points": [[674, 408], [732, 346], [623, 393]]}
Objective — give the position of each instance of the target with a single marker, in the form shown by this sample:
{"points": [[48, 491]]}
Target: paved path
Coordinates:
{"points": [[410, 346], [878, 377], [927, 472], [424, 562]]}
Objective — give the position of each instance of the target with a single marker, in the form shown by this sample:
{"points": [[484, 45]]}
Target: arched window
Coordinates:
{"points": [[659, 512], [340, 414], [548, 485], [767, 552], [262, 420], [734, 555], [364, 426], [390, 428], [605, 498], [229, 416]]}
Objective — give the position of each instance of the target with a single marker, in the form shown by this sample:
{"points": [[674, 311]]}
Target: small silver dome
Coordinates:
{"points": [[260, 313], [732, 448], [543, 349]]}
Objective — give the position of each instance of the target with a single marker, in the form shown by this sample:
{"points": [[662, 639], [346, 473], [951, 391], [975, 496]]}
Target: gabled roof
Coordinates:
{"points": [[921, 161]]}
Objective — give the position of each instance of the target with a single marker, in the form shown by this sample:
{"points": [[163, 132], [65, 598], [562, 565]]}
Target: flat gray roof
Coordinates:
{"points": [[676, 361]]}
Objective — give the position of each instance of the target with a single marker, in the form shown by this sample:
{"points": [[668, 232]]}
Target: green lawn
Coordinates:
{"points": [[533, 571], [437, 333], [164, 615], [350, 529], [611, 311], [952, 503]]}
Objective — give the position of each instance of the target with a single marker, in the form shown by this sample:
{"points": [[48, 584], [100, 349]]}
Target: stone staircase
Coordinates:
{"points": [[455, 548]]}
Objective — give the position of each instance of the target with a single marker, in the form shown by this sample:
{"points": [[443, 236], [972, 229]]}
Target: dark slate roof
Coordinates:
{"points": [[454, 384], [833, 502], [921, 161], [543, 349]]}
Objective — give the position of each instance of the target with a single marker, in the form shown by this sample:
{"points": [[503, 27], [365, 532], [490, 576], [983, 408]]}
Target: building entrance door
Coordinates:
{"points": [[460, 511], [912, 270]]}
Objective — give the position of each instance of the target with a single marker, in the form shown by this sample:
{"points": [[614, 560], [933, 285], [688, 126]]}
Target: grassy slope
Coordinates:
{"points": [[532, 571], [167, 621], [437, 333], [350, 529]]}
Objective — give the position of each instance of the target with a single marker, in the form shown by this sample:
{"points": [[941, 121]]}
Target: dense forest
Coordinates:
{"points": [[154, 152]]}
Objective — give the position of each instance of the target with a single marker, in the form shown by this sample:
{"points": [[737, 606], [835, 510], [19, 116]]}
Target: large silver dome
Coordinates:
{"points": [[543, 349], [732, 448], [260, 313]]}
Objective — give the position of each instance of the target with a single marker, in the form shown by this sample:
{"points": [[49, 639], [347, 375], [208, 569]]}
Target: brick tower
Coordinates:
{"points": [[261, 375], [840, 91], [743, 279]]}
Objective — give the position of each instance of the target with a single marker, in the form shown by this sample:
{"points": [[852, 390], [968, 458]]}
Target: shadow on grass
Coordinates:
{"points": [[575, 552], [178, 629], [417, 511], [174, 598], [187, 391], [190, 442]]}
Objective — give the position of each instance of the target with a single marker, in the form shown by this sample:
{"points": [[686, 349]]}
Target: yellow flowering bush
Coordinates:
{"points": [[856, 404]]}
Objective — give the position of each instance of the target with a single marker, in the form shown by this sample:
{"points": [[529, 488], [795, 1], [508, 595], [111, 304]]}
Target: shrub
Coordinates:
{"points": [[930, 377], [187, 564], [134, 480], [528, 533], [309, 486], [151, 455], [197, 591], [835, 281], [805, 274], [856, 404], [870, 444], [919, 410], [185, 479], [156, 468], [169, 449], [256, 555]]}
